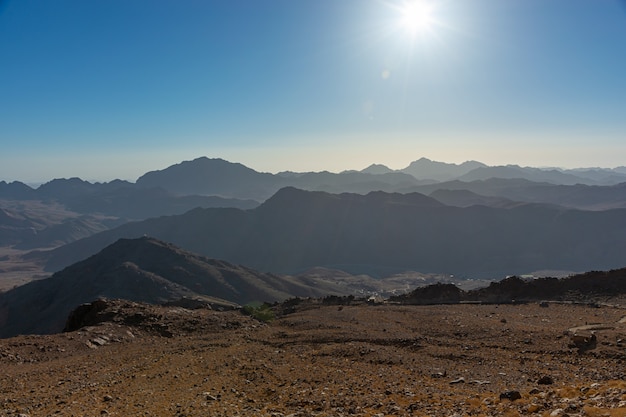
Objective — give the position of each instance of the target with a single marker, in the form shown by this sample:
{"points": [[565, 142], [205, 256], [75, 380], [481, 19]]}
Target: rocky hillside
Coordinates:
{"points": [[322, 360], [143, 269]]}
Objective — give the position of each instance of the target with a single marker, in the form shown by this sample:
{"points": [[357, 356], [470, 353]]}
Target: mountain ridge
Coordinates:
{"points": [[144, 270], [298, 230]]}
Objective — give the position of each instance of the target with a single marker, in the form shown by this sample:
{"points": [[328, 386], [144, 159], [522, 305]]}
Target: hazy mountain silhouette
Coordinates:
{"points": [[580, 196], [466, 198], [204, 176], [143, 269], [377, 169], [206, 182], [59, 234], [64, 210], [424, 168], [296, 230], [515, 172], [15, 190]]}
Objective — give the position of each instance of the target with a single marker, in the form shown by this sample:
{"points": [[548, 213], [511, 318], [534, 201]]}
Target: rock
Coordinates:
{"points": [[510, 395], [107, 398], [458, 380], [209, 397], [583, 342], [480, 382], [545, 380]]}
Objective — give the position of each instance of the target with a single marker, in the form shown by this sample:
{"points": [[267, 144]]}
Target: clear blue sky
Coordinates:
{"points": [[105, 89]]}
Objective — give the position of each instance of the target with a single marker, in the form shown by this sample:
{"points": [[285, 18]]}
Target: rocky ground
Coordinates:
{"points": [[325, 360]]}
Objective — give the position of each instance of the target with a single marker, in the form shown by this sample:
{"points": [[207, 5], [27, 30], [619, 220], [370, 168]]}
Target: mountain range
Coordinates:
{"points": [[92, 207], [382, 233], [431, 217], [206, 176]]}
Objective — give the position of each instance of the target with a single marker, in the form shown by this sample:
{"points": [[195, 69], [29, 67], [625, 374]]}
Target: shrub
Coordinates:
{"points": [[259, 311]]}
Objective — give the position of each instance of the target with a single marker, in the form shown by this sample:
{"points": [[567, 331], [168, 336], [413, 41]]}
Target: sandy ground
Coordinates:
{"points": [[385, 360], [15, 270]]}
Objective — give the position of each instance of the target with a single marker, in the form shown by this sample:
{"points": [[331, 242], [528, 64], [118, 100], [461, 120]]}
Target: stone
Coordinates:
{"points": [[510, 395], [545, 380]]}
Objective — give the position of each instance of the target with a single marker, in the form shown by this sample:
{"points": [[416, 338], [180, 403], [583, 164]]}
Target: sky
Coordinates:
{"points": [[105, 89]]}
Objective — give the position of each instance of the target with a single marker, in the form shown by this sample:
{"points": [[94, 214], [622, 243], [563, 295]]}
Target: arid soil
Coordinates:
{"points": [[321, 360], [16, 269]]}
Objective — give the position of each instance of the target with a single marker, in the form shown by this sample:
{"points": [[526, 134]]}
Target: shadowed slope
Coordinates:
{"points": [[382, 233], [145, 270]]}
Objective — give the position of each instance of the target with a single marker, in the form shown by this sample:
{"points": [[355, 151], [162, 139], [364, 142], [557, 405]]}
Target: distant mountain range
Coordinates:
{"points": [[204, 176], [219, 178], [381, 233], [66, 210]]}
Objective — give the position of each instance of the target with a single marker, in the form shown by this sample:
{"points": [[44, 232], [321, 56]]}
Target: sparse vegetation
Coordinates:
{"points": [[259, 311]]}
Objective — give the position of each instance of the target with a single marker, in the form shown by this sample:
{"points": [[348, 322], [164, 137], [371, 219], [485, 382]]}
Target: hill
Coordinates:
{"points": [[145, 270]]}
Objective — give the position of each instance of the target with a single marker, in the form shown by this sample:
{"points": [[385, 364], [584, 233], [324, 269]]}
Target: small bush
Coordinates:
{"points": [[260, 311]]}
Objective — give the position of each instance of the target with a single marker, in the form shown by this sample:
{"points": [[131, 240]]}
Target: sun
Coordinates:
{"points": [[416, 17]]}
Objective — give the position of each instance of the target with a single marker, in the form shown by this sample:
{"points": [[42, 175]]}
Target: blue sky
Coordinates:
{"points": [[105, 89]]}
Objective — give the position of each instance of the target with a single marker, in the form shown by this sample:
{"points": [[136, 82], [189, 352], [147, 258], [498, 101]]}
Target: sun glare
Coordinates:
{"points": [[417, 17]]}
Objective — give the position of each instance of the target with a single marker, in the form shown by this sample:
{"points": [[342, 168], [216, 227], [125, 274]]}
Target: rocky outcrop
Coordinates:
{"points": [[579, 288]]}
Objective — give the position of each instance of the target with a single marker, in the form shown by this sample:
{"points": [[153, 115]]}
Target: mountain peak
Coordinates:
{"points": [[143, 269], [377, 169], [424, 168]]}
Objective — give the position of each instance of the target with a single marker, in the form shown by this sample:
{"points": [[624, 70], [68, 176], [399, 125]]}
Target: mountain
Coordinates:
{"points": [[204, 176], [62, 233], [382, 233], [143, 269], [551, 176], [63, 205], [425, 169], [352, 182], [377, 169], [580, 196], [15, 190], [600, 176], [64, 210], [466, 198], [14, 226], [142, 203]]}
